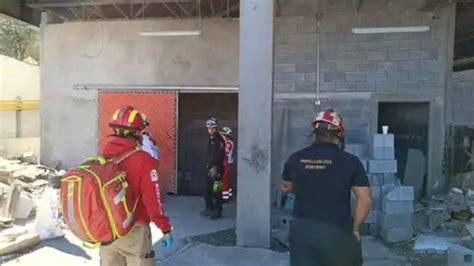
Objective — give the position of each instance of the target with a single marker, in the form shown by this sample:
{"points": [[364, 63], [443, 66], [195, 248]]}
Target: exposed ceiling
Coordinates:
{"points": [[75, 10]]}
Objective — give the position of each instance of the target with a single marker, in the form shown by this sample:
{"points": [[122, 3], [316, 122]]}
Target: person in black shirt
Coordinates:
{"points": [[214, 171], [321, 177]]}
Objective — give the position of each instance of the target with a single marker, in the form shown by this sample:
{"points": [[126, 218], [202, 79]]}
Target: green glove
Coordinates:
{"points": [[217, 186]]}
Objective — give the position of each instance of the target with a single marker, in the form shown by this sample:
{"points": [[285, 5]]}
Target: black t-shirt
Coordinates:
{"points": [[323, 176]]}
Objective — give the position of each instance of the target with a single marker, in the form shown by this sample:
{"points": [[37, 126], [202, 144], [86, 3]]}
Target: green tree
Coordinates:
{"points": [[17, 40]]}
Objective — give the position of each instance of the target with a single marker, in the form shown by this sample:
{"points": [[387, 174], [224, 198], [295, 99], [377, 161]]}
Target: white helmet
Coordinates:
{"points": [[226, 131]]}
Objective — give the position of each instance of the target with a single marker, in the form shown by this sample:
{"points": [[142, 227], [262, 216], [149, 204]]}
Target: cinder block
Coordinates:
{"points": [[355, 76], [401, 193], [384, 153], [398, 207], [409, 85], [397, 234], [375, 179], [397, 75], [377, 76], [460, 256], [382, 166], [384, 86], [384, 140], [395, 220], [390, 179], [373, 217]]}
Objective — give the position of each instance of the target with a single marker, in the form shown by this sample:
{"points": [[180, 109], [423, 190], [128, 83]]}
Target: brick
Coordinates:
{"points": [[398, 207], [386, 86], [348, 47], [409, 65], [408, 85], [384, 153], [376, 56], [430, 65], [287, 25], [307, 25], [368, 46], [424, 75], [332, 55], [336, 36], [397, 234], [305, 86], [355, 56], [346, 66], [377, 76], [367, 66], [365, 86], [281, 68], [289, 77], [346, 86], [328, 66], [296, 39], [397, 75], [388, 45], [334, 76], [384, 140], [460, 256], [289, 58], [409, 45], [382, 166], [328, 86], [420, 35], [423, 54], [355, 76], [312, 76], [430, 44], [401, 193], [285, 48], [305, 67], [397, 55], [285, 86], [430, 85], [387, 66], [395, 220]]}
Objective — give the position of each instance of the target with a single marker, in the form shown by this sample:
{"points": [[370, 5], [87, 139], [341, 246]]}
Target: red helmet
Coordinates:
{"points": [[129, 119], [330, 120]]}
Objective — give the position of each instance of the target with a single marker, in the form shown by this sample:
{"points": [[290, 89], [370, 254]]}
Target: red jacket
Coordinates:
{"points": [[142, 176]]}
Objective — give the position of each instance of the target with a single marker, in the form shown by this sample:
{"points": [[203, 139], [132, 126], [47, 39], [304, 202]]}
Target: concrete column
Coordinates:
{"points": [[255, 123]]}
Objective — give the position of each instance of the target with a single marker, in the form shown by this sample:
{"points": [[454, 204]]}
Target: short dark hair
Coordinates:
{"points": [[325, 136]]}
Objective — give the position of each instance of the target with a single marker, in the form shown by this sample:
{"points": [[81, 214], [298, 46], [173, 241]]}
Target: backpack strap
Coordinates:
{"points": [[121, 158]]}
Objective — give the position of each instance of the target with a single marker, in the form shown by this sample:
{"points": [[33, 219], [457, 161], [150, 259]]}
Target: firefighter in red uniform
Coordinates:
{"points": [[226, 134], [142, 176]]}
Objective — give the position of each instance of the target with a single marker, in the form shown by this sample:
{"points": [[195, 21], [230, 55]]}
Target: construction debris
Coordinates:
{"points": [[19, 243]]}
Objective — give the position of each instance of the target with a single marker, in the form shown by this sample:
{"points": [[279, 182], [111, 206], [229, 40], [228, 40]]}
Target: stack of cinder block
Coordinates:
{"points": [[397, 212]]}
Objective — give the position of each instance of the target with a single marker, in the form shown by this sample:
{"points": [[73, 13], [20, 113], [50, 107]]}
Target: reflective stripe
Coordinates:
{"points": [[70, 207], [128, 221], [118, 198], [115, 116], [132, 116]]}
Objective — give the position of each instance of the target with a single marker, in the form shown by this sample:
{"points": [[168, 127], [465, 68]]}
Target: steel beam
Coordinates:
{"points": [[171, 10], [185, 10], [76, 3], [121, 11]]}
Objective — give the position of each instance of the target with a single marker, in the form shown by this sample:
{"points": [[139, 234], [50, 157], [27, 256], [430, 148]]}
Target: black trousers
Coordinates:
{"points": [[213, 199], [319, 244]]}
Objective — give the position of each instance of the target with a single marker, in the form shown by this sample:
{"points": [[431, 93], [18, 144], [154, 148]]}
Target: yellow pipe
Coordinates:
{"points": [[19, 105]]}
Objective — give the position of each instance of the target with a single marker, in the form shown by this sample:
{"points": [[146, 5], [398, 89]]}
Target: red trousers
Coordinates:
{"points": [[227, 182]]}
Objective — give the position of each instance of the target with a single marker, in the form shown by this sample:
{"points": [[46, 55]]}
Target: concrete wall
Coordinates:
{"points": [[15, 147], [358, 71], [462, 96], [21, 79], [112, 53]]}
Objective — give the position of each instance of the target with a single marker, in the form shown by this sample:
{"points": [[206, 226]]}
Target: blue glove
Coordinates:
{"points": [[167, 241]]}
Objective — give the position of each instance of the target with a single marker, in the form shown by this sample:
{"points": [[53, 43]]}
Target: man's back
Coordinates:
{"points": [[323, 176]]}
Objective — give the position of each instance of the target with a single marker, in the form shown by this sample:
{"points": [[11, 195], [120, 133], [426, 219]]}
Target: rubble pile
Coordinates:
{"points": [[23, 182]]}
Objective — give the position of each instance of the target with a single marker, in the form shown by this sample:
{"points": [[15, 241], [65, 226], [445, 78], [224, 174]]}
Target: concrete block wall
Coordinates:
{"points": [[462, 98], [393, 67]]}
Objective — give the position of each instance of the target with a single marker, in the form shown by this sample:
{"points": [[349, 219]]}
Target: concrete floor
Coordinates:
{"points": [[186, 221]]}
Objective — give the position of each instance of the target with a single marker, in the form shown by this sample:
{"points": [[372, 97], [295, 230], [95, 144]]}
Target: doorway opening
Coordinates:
{"points": [[193, 111], [409, 122]]}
